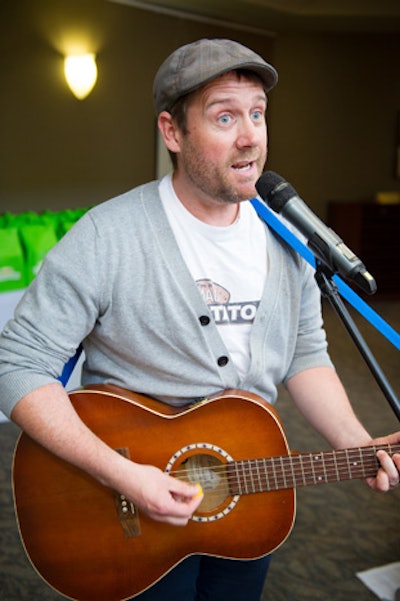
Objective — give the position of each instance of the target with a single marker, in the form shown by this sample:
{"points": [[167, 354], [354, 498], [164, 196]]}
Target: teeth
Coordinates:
{"points": [[242, 167]]}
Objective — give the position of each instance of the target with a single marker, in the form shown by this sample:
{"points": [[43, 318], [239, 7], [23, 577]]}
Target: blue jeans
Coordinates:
{"points": [[202, 578]]}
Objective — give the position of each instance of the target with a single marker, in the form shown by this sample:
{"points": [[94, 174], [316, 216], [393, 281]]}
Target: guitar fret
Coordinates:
{"points": [[238, 480], [318, 462], [304, 480], [332, 468], [361, 462], [248, 476], [268, 486], [251, 467], [324, 467], [292, 472], [283, 473], [336, 466], [355, 466], [260, 486], [244, 479], [331, 461], [314, 478], [274, 473], [348, 462], [289, 471], [336, 457], [251, 480]]}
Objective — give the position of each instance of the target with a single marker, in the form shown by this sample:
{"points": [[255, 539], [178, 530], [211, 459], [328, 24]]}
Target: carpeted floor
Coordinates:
{"points": [[340, 528]]}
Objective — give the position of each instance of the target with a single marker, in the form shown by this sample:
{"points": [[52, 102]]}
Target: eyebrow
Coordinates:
{"points": [[228, 100]]}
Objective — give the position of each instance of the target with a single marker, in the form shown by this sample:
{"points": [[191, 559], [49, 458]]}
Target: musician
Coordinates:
{"points": [[177, 290]]}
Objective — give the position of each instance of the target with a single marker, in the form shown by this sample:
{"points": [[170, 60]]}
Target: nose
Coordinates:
{"points": [[249, 133]]}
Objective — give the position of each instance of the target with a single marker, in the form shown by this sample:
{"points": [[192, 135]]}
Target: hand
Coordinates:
{"points": [[160, 496], [388, 474]]}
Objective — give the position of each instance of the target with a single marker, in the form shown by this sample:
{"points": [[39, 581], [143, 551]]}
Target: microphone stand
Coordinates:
{"points": [[329, 290]]}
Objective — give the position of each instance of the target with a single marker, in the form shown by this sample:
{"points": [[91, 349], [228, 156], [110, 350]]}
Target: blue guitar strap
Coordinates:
{"points": [[69, 367], [346, 292]]}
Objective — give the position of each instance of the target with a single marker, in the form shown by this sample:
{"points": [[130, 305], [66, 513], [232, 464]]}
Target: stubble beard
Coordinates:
{"points": [[212, 182]]}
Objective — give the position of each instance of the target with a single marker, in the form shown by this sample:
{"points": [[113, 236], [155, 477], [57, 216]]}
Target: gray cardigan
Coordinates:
{"points": [[118, 282]]}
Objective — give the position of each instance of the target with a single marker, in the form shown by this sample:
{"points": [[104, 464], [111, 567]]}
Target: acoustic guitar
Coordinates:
{"points": [[91, 544]]}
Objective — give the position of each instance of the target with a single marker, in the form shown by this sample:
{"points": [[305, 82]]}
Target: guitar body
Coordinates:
{"points": [[92, 545]]}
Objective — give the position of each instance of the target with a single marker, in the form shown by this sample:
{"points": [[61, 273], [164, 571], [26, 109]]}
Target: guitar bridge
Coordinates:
{"points": [[126, 510]]}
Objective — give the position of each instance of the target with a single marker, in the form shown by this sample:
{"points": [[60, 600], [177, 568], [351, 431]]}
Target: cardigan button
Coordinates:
{"points": [[223, 360], [204, 320]]}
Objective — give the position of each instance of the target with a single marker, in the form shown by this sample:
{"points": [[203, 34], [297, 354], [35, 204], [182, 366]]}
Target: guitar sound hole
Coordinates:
{"points": [[206, 464], [210, 473]]}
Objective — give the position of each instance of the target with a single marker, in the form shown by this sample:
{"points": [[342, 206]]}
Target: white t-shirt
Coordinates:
{"points": [[229, 266]]}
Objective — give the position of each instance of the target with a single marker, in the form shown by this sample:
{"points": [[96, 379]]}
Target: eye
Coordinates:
{"points": [[225, 119], [257, 115]]}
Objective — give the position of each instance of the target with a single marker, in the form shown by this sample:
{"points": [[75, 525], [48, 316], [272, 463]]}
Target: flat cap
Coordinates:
{"points": [[193, 65]]}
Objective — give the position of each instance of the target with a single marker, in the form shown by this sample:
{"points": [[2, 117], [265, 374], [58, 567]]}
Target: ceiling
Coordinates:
{"points": [[286, 15]]}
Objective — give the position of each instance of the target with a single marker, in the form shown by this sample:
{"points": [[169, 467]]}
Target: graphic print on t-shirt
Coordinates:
{"points": [[224, 312]]}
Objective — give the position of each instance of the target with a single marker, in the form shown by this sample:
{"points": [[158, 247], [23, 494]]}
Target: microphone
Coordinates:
{"points": [[281, 197]]}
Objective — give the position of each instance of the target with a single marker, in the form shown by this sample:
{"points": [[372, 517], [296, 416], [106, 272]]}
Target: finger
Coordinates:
{"points": [[389, 466], [190, 502], [197, 498], [180, 509], [185, 492]]}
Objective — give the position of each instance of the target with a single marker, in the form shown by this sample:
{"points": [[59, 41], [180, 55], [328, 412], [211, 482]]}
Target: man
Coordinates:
{"points": [[178, 291]]}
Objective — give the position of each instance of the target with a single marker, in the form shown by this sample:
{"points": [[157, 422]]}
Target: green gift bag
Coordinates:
{"points": [[37, 239], [68, 218], [12, 273]]}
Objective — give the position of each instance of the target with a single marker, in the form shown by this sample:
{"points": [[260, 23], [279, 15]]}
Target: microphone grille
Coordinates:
{"points": [[275, 190]]}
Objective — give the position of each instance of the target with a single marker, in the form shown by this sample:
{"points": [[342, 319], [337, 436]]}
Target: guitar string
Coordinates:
{"points": [[314, 463], [259, 483], [283, 473], [343, 460], [275, 471]]}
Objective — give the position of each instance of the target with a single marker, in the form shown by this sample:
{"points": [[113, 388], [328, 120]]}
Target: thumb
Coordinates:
{"points": [[186, 492]]}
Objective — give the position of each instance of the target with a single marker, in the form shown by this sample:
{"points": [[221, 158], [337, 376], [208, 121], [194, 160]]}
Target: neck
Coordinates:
{"points": [[211, 211]]}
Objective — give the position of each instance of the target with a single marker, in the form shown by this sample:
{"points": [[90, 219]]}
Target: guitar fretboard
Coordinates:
{"points": [[304, 469]]}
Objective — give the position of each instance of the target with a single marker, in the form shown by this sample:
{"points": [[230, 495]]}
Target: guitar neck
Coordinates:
{"points": [[304, 469]]}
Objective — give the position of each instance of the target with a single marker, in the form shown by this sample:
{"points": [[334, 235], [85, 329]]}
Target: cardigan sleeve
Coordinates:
{"points": [[311, 349], [52, 318]]}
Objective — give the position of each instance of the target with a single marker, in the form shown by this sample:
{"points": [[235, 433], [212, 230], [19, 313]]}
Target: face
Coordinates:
{"points": [[224, 150]]}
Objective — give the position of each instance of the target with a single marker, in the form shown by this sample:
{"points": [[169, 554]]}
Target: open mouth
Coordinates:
{"points": [[243, 167]]}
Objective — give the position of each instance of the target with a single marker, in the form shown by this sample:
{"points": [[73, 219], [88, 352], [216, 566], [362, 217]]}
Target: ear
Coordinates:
{"points": [[169, 131]]}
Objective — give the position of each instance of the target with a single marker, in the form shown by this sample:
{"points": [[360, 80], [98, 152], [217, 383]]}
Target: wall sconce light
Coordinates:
{"points": [[81, 74]]}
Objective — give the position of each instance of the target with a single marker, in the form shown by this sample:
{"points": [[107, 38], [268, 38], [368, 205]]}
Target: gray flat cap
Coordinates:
{"points": [[195, 64]]}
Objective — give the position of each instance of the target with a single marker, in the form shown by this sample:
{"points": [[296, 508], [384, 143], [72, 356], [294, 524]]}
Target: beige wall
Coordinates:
{"points": [[334, 115], [57, 151], [331, 119]]}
